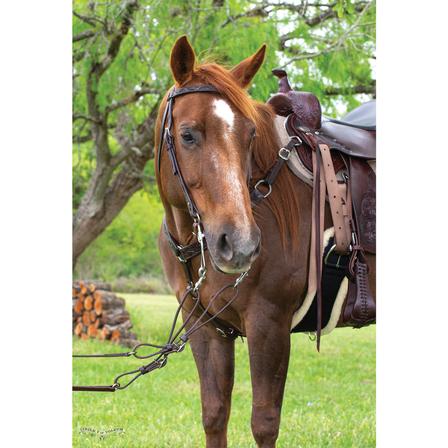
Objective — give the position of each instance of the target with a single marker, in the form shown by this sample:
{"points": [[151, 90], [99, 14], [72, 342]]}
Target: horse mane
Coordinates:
{"points": [[283, 202]]}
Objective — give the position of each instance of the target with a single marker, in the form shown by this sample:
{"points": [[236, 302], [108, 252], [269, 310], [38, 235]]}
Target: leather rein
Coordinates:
{"points": [[176, 341]]}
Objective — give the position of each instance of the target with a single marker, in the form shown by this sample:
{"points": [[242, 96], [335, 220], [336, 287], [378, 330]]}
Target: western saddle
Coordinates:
{"points": [[337, 158]]}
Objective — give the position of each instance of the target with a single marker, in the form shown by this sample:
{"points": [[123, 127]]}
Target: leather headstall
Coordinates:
{"points": [[261, 190]]}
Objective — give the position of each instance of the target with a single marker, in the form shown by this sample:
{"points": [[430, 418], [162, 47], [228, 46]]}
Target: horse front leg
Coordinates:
{"points": [[215, 361], [269, 346]]}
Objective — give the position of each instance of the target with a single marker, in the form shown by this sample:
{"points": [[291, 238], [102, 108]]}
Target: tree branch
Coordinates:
{"points": [[117, 38], [99, 127], [130, 99], [90, 20], [140, 146], [84, 117], [331, 13], [256, 12], [84, 35], [336, 45], [369, 89], [82, 138], [316, 20]]}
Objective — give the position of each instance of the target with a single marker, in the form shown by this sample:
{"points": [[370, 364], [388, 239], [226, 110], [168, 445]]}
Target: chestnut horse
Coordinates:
{"points": [[225, 141]]}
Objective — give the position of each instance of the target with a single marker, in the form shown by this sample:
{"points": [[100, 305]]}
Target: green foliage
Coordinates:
{"points": [[334, 53], [329, 396], [227, 34], [128, 247]]}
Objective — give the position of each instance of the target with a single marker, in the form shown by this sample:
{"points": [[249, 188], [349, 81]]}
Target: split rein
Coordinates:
{"points": [[176, 341]]}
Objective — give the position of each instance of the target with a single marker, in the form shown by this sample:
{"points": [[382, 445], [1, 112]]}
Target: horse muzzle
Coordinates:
{"points": [[234, 250]]}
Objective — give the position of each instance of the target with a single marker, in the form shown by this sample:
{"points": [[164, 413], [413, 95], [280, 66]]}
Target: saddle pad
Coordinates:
{"points": [[301, 165], [294, 163], [334, 293]]}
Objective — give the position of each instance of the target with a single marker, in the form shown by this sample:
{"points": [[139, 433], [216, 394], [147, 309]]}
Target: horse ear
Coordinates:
{"points": [[182, 60], [247, 69]]}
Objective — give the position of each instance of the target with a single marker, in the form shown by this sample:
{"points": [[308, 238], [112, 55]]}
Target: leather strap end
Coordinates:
{"points": [[93, 389]]}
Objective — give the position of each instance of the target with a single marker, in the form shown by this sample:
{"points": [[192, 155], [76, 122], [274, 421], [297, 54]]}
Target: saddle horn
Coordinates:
{"points": [[304, 105], [283, 83]]}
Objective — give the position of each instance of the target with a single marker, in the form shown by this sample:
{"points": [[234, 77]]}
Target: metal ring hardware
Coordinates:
{"points": [[263, 182]]}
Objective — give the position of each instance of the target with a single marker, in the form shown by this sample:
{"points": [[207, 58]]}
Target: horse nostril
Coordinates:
{"points": [[225, 247], [256, 252]]}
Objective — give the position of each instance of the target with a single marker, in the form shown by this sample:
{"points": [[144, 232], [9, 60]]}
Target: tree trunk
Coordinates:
{"points": [[94, 216], [107, 195], [116, 177]]}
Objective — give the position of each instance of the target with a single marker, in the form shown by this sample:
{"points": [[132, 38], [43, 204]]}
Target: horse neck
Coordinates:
{"points": [[272, 138]]}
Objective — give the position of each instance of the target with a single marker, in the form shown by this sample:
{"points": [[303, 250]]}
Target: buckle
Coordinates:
{"points": [[340, 257], [179, 256], [332, 248], [284, 153]]}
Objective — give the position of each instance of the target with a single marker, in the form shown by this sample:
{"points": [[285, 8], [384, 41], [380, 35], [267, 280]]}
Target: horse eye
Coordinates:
{"points": [[187, 138]]}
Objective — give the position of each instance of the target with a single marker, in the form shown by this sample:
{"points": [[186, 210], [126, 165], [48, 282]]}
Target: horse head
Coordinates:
{"points": [[213, 134]]}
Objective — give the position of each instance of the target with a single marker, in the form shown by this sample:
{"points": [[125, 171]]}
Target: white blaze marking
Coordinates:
{"points": [[231, 185], [227, 164], [224, 112]]}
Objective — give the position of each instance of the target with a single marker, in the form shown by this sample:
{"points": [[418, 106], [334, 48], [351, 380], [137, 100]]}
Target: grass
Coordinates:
{"points": [[143, 283], [329, 398]]}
